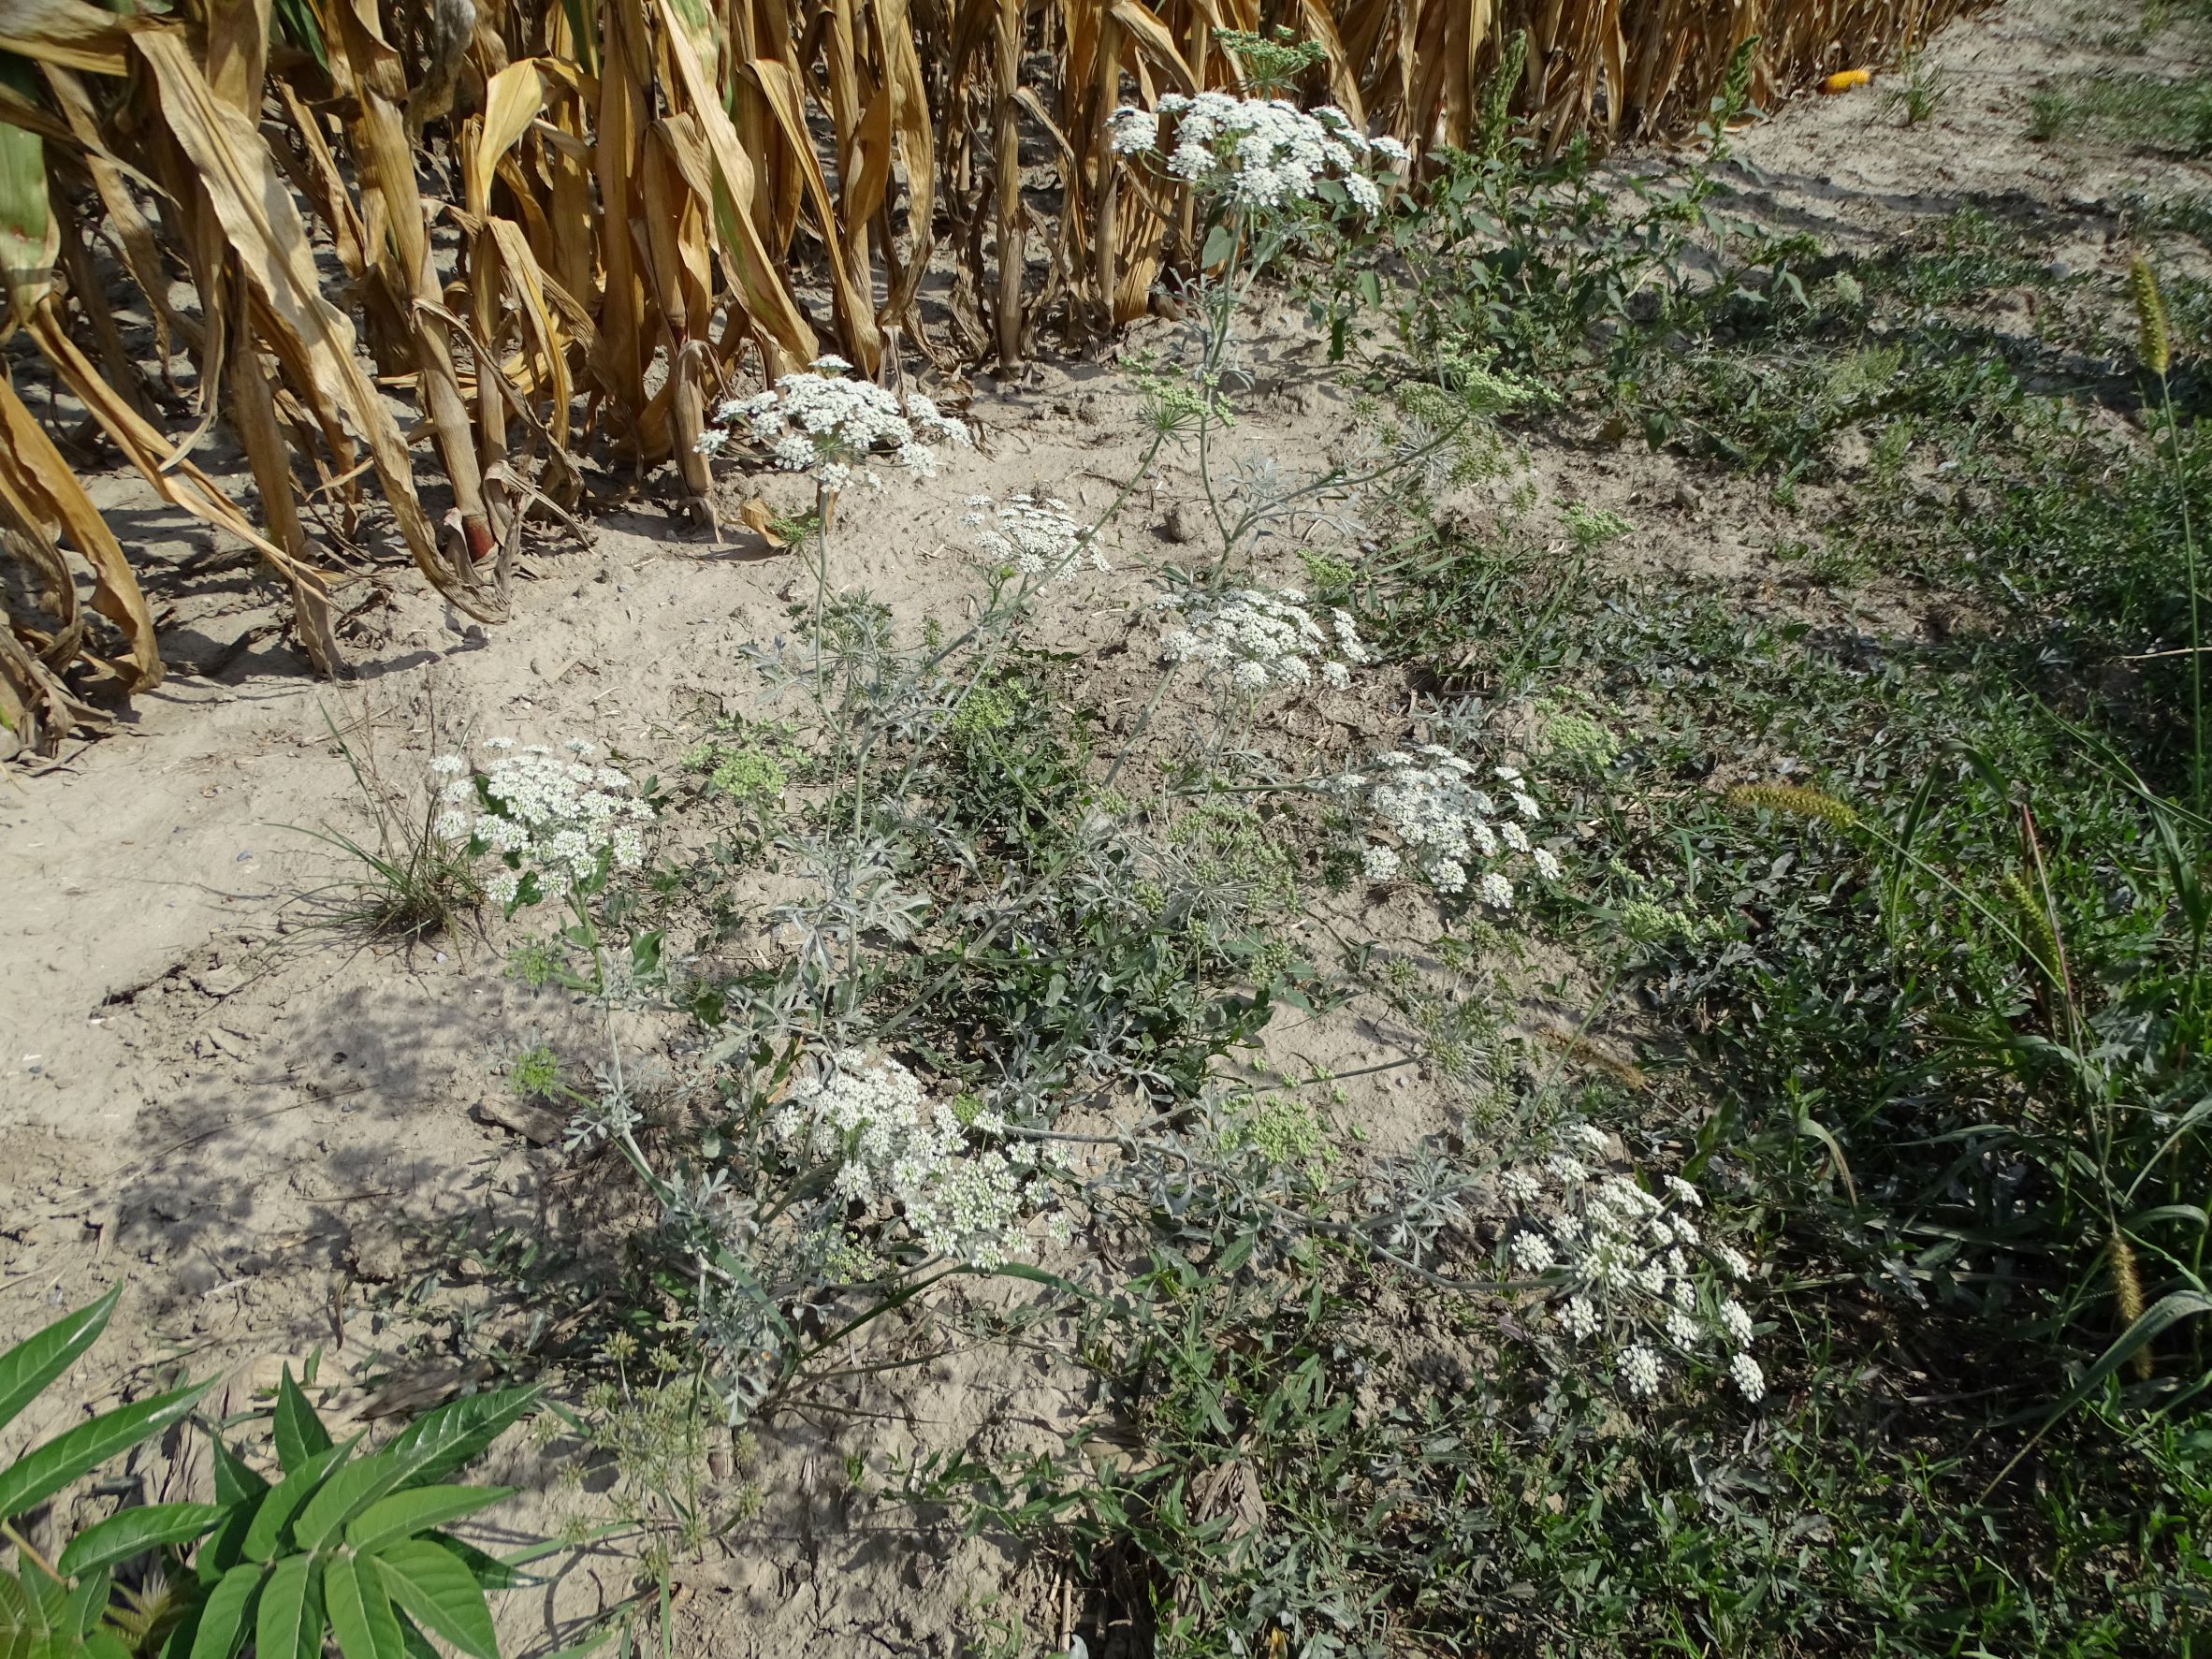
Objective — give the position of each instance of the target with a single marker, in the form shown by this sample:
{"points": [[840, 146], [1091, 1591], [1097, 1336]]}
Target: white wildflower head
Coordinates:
{"points": [[554, 822], [837, 428], [1737, 1322], [1260, 153], [1618, 1253], [1532, 1253], [1253, 640], [1447, 828], [1640, 1371], [1033, 534], [1745, 1372], [894, 1152]]}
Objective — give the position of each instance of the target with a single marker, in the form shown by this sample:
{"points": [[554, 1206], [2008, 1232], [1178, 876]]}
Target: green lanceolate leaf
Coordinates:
{"points": [[285, 1501], [360, 1613], [36, 1360], [87, 1600], [134, 1531], [222, 1625], [343, 1497], [300, 1433], [290, 1622], [235, 1483], [440, 1441], [406, 1513], [434, 1586], [40, 1474]]}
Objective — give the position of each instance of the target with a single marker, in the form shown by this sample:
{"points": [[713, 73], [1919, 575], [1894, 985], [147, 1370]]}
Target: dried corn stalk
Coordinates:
{"points": [[555, 224]]}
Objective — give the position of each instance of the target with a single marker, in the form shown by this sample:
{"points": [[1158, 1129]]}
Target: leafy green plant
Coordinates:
{"points": [[64, 1609], [344, 1544]]}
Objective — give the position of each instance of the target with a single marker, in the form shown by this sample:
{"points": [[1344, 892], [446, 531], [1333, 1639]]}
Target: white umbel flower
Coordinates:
{"points": [[1736, 1322], [1259, 639], [892, 1148], [1532, 1253], [822, 423], [1258, 153], [1578, 1317], [1744, 1372], [560, 821], [1033, 534], [1640, 1371]]}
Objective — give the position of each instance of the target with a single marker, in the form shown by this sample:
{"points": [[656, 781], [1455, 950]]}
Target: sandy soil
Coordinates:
{"points": [[206, 1096]]}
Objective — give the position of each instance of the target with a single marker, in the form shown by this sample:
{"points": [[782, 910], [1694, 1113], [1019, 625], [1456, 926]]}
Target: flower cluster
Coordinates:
{"points": [[1629, 1267], [1444, 822], [1259, 153], [1253, 640], [555, 820], [1032, 533], [822, 423], [891, 1147]]}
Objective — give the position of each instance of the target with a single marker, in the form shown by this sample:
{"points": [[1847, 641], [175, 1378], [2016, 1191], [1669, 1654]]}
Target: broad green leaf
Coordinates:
{"points": [[235, 1483], [405, 1513], [290, 1622], [300, 1433], [36, 1360], [439, 1442], [436, 1589], [103, 1643], [134, 1531], [40, 1474], [223, 1621], [287, 1498], [360, 1613], [345, 1495]]}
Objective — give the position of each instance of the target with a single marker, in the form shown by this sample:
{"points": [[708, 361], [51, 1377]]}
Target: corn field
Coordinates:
{"points": [[426, 245]]}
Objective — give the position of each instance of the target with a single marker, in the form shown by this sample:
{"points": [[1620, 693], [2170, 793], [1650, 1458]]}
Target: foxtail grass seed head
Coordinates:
{"points": [[2153, 343], [2127, 1289], [1794, 800]]}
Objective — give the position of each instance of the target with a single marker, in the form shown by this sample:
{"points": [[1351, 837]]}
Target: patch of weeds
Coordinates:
{"points": [[1591, 527], [2136, 111], [1917, 90], [415, 878]]}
